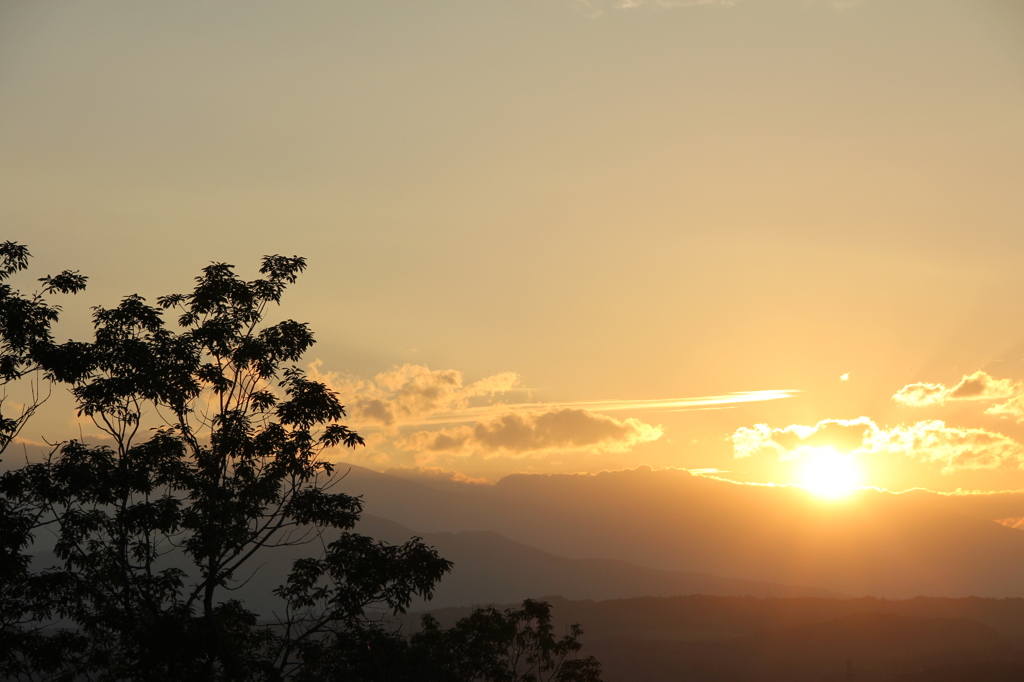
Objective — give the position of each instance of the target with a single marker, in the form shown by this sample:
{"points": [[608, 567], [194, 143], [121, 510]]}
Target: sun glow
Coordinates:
{"points": [[826, 473]]}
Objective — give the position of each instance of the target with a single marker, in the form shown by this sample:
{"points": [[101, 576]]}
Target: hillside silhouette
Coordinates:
{"points": [[746, 639], [873, 543], [490, 568]]}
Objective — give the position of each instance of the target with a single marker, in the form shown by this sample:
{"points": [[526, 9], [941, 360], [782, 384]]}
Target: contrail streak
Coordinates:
{"points": [[707, 402]]}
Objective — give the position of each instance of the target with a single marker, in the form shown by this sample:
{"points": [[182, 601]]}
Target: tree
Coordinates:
{"points": [[489, 645], [514, 645], [25, 332], [213, 456]]}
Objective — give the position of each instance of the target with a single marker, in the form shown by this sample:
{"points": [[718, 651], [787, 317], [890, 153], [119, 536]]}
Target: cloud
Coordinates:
{"points": [[955, 448], [840, 434], [434, 476], [707, 402], [415, 395], [410, 393], [981, 386], [631, 4], [921, 395], [977, 386], [530, 434], [1012, 408], [929, 441], [1016, 522], [598, 7], [415, 414]]}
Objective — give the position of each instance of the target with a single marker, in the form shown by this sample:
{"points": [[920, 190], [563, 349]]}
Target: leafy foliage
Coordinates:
{"points": [[489, 645], [515, 645], [26, 322], [213, 455], [25, 331]]}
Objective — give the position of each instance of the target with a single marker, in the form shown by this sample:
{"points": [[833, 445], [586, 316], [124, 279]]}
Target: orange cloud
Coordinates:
{"points": [[929, 441], [410, 393], [599, 6], [955, 448], [921, 395], [435, 475], [977, 386], [389, 406], [415, 395], [1012, 408], [841, 434], [524, 434]]}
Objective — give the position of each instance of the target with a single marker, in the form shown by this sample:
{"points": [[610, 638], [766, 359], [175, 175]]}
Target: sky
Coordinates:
{"points": [[767, 240]]}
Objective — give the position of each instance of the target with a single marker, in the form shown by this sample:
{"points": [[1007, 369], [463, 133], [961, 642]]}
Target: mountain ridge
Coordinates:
{"points": [[872, 543]]}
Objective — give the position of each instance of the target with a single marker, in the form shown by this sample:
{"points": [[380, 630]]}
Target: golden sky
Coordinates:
{"points": [[562, 235]]}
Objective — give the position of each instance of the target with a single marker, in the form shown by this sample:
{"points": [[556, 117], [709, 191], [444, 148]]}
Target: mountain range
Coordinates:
{"points": [[879, 543]]}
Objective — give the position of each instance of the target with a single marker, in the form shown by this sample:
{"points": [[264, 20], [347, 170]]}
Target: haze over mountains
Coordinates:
{"points": [[490, 568], [874, 543], [644, 533]]}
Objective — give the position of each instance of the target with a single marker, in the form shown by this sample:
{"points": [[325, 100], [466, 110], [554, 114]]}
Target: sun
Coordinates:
{"points": [[826, 473]]}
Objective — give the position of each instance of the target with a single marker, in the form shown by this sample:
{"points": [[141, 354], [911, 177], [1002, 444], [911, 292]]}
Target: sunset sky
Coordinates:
{"points": [[770, 240]]}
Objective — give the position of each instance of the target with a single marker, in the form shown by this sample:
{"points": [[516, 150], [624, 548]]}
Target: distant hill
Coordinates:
{"points": [[712, 618], [490, 568], [745, 639], [862, 647], [874, 543]]}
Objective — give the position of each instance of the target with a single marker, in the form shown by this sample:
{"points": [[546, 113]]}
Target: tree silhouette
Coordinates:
{"points": [[513, 645], [489, 645], [25, 333], [25, 324], [212, 456]]}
